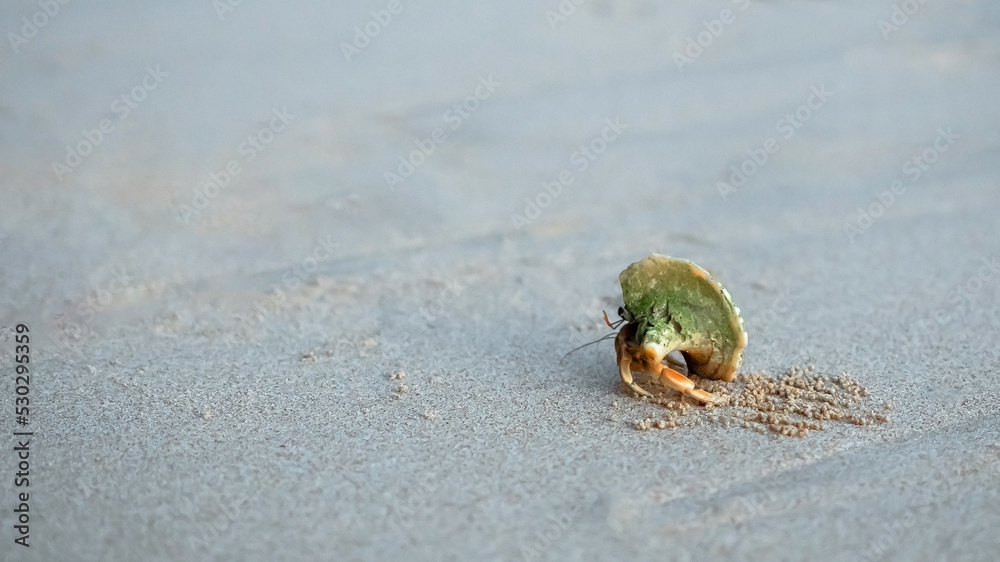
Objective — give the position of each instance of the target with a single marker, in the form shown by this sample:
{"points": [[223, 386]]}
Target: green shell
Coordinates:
{"points": [[678, 305]]}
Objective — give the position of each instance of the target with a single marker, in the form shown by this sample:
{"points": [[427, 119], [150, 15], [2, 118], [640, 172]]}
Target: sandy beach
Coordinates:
{"points": [[300, 279]]}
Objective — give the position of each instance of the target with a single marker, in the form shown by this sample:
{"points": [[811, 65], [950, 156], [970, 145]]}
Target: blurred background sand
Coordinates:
{"points": [[214, 352]]}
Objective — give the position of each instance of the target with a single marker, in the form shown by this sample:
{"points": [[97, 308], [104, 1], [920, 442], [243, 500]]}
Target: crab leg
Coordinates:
{"points": [[682, 384], [667, 376], [625, 370], [625, 359]]}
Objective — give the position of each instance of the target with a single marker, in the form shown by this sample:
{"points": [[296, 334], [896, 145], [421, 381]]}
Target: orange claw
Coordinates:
{"points": [[684, 385], [606, 321], [675, 380]]}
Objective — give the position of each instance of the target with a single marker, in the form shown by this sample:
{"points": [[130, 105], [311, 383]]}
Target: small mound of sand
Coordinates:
{"points": [[790, 405]]}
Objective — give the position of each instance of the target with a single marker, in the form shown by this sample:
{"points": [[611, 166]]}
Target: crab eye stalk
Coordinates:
{"points": [[624, 314]]}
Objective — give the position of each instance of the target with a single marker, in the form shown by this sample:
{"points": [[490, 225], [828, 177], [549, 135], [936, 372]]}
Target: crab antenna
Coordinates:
{"points": [[599, 340], [608, 322]]}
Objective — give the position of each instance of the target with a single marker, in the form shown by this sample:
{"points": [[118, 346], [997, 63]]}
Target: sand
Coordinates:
{"points": [[789, 405], [224, 292]]}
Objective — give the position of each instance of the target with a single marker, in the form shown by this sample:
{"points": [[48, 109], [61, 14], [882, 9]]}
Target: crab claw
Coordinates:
{"points": [[684, 385], [625, 359], [648, 357]]}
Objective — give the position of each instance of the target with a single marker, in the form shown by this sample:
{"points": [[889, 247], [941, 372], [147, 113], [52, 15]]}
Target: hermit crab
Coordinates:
{"points": [[672, 305]]}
